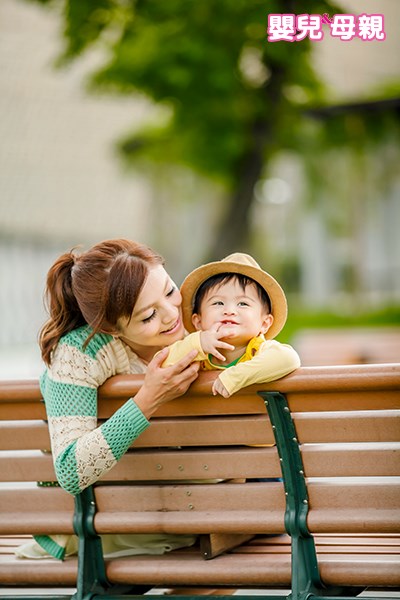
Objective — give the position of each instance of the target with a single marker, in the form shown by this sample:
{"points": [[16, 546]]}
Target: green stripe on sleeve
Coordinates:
{"points": [[66, 399], [66, 470], [126, 424]]}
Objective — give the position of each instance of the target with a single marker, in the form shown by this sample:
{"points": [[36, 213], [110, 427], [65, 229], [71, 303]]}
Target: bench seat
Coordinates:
{"points": [[263, 562]]}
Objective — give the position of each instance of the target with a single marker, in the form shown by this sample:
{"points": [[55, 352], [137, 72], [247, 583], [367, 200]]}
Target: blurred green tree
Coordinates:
{"points": [[233, 98]]}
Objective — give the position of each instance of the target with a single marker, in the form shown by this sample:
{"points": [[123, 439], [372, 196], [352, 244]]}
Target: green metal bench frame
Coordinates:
{"points": [[306, 583]]}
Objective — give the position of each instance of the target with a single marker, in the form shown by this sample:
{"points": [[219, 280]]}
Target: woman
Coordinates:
{"points": [[112, 308]]}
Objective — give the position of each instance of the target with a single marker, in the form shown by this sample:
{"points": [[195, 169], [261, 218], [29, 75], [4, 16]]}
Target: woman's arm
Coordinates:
{"points": [[83, 452]]}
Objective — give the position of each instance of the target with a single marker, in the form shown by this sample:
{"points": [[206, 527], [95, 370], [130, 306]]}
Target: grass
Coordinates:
{"points": [[303, 319]]}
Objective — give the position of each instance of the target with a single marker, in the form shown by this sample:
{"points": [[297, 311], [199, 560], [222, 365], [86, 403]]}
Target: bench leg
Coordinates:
{"points": [[92, 578], [306, 581]]}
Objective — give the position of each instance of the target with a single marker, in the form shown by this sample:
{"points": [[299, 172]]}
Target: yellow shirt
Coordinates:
{"points": [[263, 361]]}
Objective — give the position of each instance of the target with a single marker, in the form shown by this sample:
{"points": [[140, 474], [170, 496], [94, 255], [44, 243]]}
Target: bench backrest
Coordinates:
{"points": [[347, 429]]}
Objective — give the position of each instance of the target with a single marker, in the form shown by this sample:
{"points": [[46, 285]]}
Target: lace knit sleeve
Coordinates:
{"points": [[83, 452]]}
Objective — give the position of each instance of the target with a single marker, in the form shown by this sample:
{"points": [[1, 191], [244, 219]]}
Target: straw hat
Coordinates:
{"points": [[242, 264]]}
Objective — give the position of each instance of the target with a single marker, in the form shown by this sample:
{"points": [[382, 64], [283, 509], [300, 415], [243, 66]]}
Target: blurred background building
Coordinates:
{"points": [[327, 226]]}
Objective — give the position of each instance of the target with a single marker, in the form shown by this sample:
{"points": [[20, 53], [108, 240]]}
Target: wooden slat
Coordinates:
{"points": [[346, 377], [327, 378], [154, 466], [335, 505], [325, 549], [19, 390], [210, 431], [391, 541], [24, 435], [27, 572], [252, 429], [35, 499], [353, 459], [35, 522], [357, 549], [197, 405], [300, 384], [190, 497], [299, 401], [191, 508], [192, 522], [33, 573], [360, 569], [188, 569], [22, 409], [26, 465], [22, 399], [351, 493], [11, 541], [35, 510], [348, 426], [337, 400], [184, 465], [350, 521], [253, 569]]}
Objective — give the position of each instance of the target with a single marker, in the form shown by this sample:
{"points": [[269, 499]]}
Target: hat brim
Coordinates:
{"points": [[276, 294]]}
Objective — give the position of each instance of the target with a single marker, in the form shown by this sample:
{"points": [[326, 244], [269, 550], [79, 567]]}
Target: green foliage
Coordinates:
{"points": [[211, 64], [303, 319], [231, 99], [84, 22]]}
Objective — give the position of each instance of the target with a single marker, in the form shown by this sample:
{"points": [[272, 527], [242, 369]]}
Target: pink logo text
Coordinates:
{"points": [[294, 28]]}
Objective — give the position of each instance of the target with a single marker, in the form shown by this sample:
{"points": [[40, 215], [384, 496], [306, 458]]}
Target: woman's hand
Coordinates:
{"points": [[164, 384]]}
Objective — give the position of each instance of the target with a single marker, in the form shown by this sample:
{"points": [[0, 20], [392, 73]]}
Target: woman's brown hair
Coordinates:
{"points": [[97, 288]]}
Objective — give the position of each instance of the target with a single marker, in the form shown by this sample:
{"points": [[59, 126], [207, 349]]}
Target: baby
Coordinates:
{"points": [[234, 310]]}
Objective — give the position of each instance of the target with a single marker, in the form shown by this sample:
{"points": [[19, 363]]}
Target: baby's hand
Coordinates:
{"points": [[220, 389], [210, 342]]}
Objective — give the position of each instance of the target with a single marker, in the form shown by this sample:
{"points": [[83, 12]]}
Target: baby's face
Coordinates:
{"points": [[239, 311]]}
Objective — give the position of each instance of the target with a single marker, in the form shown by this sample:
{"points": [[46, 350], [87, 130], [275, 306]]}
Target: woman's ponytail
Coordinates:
{"points": [[65, 314], [96, 288]]}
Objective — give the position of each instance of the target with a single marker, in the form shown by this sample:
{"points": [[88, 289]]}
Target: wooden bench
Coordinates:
{"points": [[331, 529]]}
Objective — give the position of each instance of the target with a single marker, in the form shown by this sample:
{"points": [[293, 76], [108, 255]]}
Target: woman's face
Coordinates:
{"points": [[156, 319]]}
